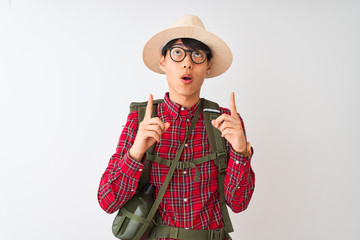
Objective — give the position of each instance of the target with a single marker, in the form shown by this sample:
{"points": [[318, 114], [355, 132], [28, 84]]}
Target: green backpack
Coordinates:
{"points": [[218, 153]]}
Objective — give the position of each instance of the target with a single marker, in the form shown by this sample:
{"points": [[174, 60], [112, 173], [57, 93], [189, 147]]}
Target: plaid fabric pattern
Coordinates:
{"points": [[186, 203]]}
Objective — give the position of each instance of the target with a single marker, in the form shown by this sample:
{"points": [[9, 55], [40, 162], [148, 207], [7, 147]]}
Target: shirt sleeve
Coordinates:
{"points": [[120, 179], [239, 178]]}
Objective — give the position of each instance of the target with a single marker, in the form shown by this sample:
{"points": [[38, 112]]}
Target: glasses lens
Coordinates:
{"points": [[177, 54], [198, 56]]}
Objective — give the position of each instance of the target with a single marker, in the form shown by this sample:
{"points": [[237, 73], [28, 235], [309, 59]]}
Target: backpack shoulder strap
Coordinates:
{"points": [[140, 107], [211, 111]]}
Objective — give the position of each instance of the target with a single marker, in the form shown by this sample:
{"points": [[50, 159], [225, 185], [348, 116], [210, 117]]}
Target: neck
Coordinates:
{"points": [[184, 100]]}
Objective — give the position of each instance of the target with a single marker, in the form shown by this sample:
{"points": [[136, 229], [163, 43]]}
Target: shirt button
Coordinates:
{"points": [[237, 162], [182, 108], [140, 170], [188, 120], [185, 199], [184, 172], [186, 145]]}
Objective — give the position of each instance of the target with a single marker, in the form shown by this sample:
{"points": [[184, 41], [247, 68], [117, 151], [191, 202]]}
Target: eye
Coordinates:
{"points": [[198, 54], [176, 52]]}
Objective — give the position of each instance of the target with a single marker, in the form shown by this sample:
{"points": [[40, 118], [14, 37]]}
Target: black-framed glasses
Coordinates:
{"points": [[177, 54]]}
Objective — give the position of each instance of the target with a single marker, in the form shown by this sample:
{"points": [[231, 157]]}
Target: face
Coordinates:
{"points": [[184, 78]]}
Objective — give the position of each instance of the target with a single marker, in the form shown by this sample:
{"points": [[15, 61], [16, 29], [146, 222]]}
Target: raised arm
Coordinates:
{"points": [[119, 182], [240, 178], [120, 179]]}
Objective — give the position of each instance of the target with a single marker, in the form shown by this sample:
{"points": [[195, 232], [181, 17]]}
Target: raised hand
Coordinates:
{"points": [[231, 128], [149, 131]]}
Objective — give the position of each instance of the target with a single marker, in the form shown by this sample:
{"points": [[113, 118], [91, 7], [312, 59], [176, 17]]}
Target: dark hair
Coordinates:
{"points": [[189, 43]]}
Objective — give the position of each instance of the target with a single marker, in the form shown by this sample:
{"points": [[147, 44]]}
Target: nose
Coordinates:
{"points": [[187, 61]]}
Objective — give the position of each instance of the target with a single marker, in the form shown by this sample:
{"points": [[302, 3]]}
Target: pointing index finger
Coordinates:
{"points": [[149, 108], [232, 105]]}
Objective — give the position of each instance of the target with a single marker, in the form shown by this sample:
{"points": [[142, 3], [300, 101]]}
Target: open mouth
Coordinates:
{"points": [[186, 78]]}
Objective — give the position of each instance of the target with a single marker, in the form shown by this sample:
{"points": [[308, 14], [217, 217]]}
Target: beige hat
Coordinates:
{"points": [[188, 26]]}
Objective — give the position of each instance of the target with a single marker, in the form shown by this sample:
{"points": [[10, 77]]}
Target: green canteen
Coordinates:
{"points": [[132, 215]]}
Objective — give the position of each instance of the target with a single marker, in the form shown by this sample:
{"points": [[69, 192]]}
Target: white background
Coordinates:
{"points": [[70, 68]]}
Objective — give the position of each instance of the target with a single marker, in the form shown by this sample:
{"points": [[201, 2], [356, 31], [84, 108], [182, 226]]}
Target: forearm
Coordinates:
{"points": [[119, 182], [239, 182]]}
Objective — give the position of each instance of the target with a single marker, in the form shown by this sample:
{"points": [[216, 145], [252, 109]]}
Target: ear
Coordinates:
{"points": [[208, 70], [162, 63]]}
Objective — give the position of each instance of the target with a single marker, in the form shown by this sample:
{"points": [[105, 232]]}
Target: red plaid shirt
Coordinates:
{"points": [[186, 203]]}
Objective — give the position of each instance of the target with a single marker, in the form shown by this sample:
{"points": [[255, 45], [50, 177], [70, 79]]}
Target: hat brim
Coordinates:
{"points": [[222, 56]]}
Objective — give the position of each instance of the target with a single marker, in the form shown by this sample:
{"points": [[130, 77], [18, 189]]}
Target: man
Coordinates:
{"points": [[187, 54]]}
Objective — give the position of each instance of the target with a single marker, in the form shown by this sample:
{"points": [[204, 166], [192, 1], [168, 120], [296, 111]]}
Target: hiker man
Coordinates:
{"points": [[194, 203]]}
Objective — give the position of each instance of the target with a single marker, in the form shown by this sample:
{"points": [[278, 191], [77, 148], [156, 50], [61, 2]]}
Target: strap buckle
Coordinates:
{"points": [[216, 235], [180, 165]]}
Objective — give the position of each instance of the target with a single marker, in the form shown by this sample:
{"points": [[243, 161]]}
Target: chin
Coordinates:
{"points": [[188, 92]]}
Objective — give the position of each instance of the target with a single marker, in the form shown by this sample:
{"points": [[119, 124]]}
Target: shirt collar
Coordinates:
{"points": [[176, 109]]}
